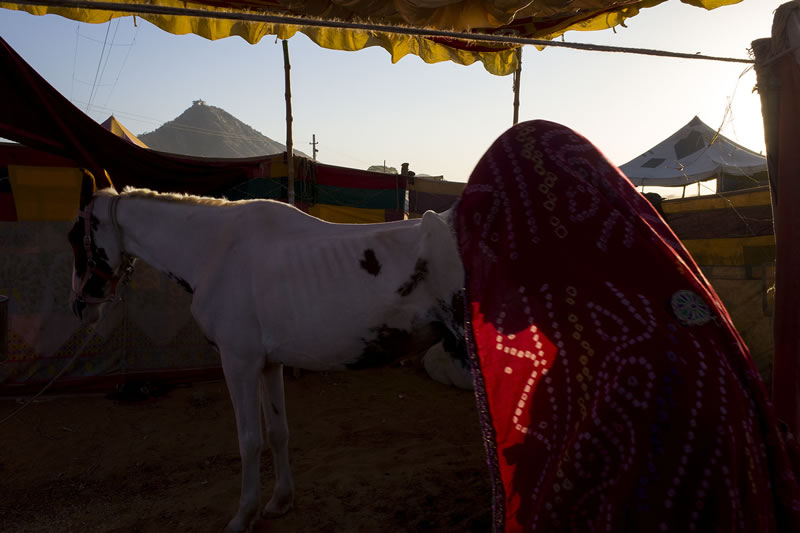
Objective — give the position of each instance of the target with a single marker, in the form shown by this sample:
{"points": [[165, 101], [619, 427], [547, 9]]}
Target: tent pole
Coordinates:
{"points": [[289, 148], [517, 75], [777, 73]]}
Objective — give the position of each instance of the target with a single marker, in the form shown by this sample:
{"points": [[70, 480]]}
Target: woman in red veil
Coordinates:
{"points": [[614, 393]]}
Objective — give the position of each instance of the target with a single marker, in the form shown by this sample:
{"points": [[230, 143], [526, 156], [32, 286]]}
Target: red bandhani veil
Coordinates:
{"points": [[615, 394]]}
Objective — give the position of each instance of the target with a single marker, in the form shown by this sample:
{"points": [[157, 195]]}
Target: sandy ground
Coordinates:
{"points": [[384, 450]]}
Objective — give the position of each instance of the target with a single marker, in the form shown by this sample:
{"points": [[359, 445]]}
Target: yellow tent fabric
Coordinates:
{"points": [[45, 193], [539, 20], [748, 243], [347, 215], [729, 252], [115, 126], [703, 203]]}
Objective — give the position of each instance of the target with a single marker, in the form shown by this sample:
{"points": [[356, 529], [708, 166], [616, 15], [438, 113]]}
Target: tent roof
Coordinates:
{"points": [[115, 126], [543, 19], [696, 152]]}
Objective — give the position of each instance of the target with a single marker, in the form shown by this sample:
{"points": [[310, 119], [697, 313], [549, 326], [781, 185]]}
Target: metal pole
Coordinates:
{"points": [[289, 143]]}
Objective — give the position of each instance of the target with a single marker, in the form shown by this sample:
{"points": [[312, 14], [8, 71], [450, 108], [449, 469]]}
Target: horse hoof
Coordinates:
{"points": [[235, 526], [275, 510]]}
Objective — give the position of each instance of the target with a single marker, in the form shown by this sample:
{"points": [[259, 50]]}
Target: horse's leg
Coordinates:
{"points": [[242, 381], [274, 407]]}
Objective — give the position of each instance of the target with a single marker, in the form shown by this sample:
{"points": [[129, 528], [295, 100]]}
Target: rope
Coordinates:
{"points": [[148, 9], [112, 208], [60, 373]]}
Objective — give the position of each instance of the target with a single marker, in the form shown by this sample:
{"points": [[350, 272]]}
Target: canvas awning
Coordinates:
{"points": [[543, 19], [696, 152]]}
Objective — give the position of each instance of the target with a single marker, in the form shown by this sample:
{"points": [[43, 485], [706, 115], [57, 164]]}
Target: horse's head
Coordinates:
{"points": [[99, 259]]}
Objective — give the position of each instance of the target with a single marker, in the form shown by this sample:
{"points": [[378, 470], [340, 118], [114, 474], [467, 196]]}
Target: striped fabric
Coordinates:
{"points": [[349, 195], [335, 194]]}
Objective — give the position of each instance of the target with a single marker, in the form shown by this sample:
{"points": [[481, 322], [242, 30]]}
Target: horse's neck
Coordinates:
{"points": [[172, 237]]}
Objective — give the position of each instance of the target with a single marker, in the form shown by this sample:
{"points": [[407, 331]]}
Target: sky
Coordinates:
{"points": [[440, 118]]}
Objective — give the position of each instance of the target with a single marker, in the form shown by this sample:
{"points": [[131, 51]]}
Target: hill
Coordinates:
{"points": [[207, 131]]}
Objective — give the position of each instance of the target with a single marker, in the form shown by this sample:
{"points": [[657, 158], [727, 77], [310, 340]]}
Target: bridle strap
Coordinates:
{"points": [[91, 265]]}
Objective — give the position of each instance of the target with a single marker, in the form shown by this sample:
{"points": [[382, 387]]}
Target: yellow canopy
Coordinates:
{"points": [[542, 19]]}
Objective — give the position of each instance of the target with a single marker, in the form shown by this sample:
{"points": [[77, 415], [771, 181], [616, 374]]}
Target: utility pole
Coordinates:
{"points": [[314, 143]]}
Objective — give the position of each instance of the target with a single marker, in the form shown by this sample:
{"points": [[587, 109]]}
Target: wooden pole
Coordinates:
{"points": [[768, 87], [517, 75], [777, 74], [289, 144]]}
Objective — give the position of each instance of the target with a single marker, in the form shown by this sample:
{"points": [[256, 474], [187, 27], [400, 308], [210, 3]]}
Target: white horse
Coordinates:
{"points": [[272, 286]]}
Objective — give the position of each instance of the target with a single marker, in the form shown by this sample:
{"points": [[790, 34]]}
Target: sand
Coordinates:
{"points": [[383, 450]]}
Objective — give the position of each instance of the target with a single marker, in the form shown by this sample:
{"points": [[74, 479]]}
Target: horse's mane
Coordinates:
{"points": [[131, 192]]}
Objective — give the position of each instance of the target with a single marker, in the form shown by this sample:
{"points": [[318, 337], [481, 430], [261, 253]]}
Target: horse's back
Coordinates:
{"points": [[319, 294]]}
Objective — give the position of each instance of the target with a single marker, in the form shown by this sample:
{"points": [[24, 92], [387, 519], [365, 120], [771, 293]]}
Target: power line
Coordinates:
{"points": [[113, 38], [180, 127], [75, 58], [98, 41], [124, 62], [97, 72]]}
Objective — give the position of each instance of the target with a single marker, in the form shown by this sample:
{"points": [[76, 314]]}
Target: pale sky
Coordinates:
{"points": [[440, 117]]}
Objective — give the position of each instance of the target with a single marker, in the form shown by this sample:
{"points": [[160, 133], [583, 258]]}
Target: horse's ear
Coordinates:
{"points": [[88, 188]]}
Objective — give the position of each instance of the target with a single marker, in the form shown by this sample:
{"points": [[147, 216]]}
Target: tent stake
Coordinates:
{"points": [[289, 148]]}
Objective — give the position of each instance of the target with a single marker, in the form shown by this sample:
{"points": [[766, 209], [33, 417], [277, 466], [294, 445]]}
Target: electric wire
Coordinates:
{"points": [[97, 72]]}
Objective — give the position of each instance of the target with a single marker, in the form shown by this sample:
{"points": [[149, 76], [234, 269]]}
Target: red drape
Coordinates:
{"points": [[615, 393]]}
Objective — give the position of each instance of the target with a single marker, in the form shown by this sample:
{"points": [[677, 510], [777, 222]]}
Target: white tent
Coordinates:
{"points": [[694, 153]]}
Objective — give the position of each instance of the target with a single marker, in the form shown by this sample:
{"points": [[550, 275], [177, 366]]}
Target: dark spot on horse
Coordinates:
{"points": [[182, 282], [457, 308], [387, 345], [370, 263], [213, 344], [275, 409], [419, 274]]}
